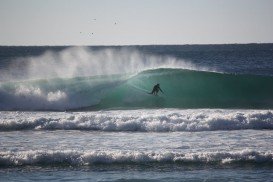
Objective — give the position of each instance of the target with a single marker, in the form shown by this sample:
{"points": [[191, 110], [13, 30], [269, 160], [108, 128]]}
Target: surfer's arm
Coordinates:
{"points": [[161, 90]]}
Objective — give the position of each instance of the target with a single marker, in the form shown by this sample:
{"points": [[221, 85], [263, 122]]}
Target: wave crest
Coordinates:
{"points": [[83, 158], [161, 120]]}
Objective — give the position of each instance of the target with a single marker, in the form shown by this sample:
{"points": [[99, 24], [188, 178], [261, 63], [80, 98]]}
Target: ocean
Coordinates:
{"points": [[71, 113]]}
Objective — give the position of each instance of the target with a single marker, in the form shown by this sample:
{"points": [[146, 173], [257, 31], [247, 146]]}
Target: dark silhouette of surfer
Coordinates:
{"points": [[156, 89]]}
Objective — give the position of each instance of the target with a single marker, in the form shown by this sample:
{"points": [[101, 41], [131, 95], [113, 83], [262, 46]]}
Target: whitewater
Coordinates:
{"points": [[155, 120], [84, 113]]}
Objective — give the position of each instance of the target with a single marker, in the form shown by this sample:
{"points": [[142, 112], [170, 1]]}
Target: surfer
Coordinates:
{"points": [[156, 89]]}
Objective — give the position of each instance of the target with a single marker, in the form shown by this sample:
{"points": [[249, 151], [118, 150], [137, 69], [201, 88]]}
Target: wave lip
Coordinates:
{"points": [[162, 120], [86, 158]]}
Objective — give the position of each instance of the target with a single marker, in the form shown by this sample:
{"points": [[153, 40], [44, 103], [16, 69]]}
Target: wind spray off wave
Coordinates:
{"points": [[83, 62], [73, 78]]}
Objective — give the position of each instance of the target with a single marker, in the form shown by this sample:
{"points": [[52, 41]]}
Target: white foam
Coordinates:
{"points": [[80, 158], [28, 97], [24, 91], [161, 120], [30, 92], [56, 96]]}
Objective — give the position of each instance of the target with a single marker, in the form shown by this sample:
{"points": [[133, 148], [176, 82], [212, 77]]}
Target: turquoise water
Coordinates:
{"points": [[83, 113], [182, 89]]}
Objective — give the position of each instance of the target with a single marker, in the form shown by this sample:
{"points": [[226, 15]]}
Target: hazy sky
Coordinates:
{"points": [[72, 22]]}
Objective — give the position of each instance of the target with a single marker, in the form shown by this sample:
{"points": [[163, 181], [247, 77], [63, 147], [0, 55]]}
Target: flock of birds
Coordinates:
{"points": [[93, 32]]}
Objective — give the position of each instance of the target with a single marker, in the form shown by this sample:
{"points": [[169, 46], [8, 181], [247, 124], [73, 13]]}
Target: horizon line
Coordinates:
{"points": [[120, 45]]}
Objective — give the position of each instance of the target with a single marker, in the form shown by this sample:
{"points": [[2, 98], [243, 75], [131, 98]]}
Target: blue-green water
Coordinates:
{"points": [[84, 114], [182, 89]]}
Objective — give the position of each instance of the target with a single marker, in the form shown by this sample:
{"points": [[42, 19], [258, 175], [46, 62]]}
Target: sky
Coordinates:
{"points": [[135, 22]]}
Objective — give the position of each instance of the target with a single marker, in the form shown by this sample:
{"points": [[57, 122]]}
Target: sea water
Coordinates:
{"points": [[83, 113]]}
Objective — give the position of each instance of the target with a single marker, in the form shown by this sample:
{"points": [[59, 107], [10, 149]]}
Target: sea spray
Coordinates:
{"points": [[83, 61]]}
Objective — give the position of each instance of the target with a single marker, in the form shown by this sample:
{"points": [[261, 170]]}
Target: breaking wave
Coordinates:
{"points": [[85, 158], [161, 120], [182, 89]]}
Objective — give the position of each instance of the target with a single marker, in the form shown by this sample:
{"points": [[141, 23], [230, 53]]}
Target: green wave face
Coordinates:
{"points": [[192, 89], [182, 89]]}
